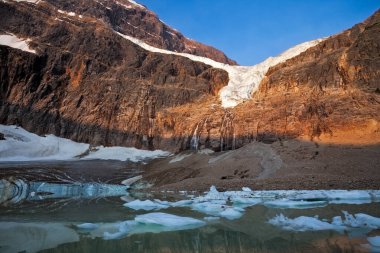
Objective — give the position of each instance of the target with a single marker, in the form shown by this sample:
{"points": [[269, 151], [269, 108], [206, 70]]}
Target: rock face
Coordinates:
{"points": [[329, 93], [87, 83], [122, 16]]}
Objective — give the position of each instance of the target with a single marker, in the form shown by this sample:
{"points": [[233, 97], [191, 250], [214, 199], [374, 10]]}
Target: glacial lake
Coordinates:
{"points": [[96, 216]]}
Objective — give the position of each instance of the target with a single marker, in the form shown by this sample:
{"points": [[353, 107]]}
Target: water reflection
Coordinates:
{"points": [[46, 216], [19, 190], [34, 230]]}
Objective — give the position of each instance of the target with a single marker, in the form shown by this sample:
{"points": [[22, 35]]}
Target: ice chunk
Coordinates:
{"points": [[147, 223], [245, 202], [285, 203], [359, 220], [146, 205], [218, 209], [232, 213], [168, 220], [303, 223], [181, 203], [336, 196], [209, 208], [246, 189]]}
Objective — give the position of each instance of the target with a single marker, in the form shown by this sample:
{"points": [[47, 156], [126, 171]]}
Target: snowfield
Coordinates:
{"points": [[21, 145], [243, 80]]}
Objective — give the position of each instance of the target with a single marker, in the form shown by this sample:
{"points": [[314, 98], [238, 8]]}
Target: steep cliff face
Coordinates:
{"points": [[88, 83], [82, 80], [328, 93], [127, 17]]}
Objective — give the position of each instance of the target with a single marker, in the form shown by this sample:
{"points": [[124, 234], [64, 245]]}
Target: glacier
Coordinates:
{"points": [[243, 80]]}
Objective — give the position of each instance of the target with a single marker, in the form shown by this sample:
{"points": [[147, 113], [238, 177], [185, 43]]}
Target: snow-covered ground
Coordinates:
{"points": [[13, 41], [21, 145], [243, 80]]}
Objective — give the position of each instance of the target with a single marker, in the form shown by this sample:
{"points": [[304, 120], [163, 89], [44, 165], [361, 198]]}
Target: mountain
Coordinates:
{"points": [[112, 73]]}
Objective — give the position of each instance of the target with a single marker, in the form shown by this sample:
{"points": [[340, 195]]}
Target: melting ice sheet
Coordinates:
{"points": [[21, 145]]}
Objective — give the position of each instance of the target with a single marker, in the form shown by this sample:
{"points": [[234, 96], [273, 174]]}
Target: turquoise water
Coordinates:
{"points": [[51, 226], [87, 216]]}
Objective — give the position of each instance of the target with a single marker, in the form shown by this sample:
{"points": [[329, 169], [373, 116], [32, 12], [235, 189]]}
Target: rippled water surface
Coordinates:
{"points": [[90, 216]]}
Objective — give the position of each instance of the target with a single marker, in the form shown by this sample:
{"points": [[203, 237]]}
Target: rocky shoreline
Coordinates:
{"points": [[291, 164]]}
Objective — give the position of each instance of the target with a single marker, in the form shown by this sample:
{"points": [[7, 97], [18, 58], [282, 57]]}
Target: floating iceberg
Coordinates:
{"points": [[292, 198], [286, 203], [146, 205], [359, 220], [168, 220], [303, 223], [147, 223], [219, 209], [87, 226], [348, 222]]}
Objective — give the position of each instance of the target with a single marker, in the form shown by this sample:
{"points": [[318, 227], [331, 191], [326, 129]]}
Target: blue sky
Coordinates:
{"points": [[249, 31]]}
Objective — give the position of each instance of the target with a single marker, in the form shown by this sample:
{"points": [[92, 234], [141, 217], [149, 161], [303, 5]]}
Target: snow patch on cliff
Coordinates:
{"points": [[13, 41], [131, 4]]}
